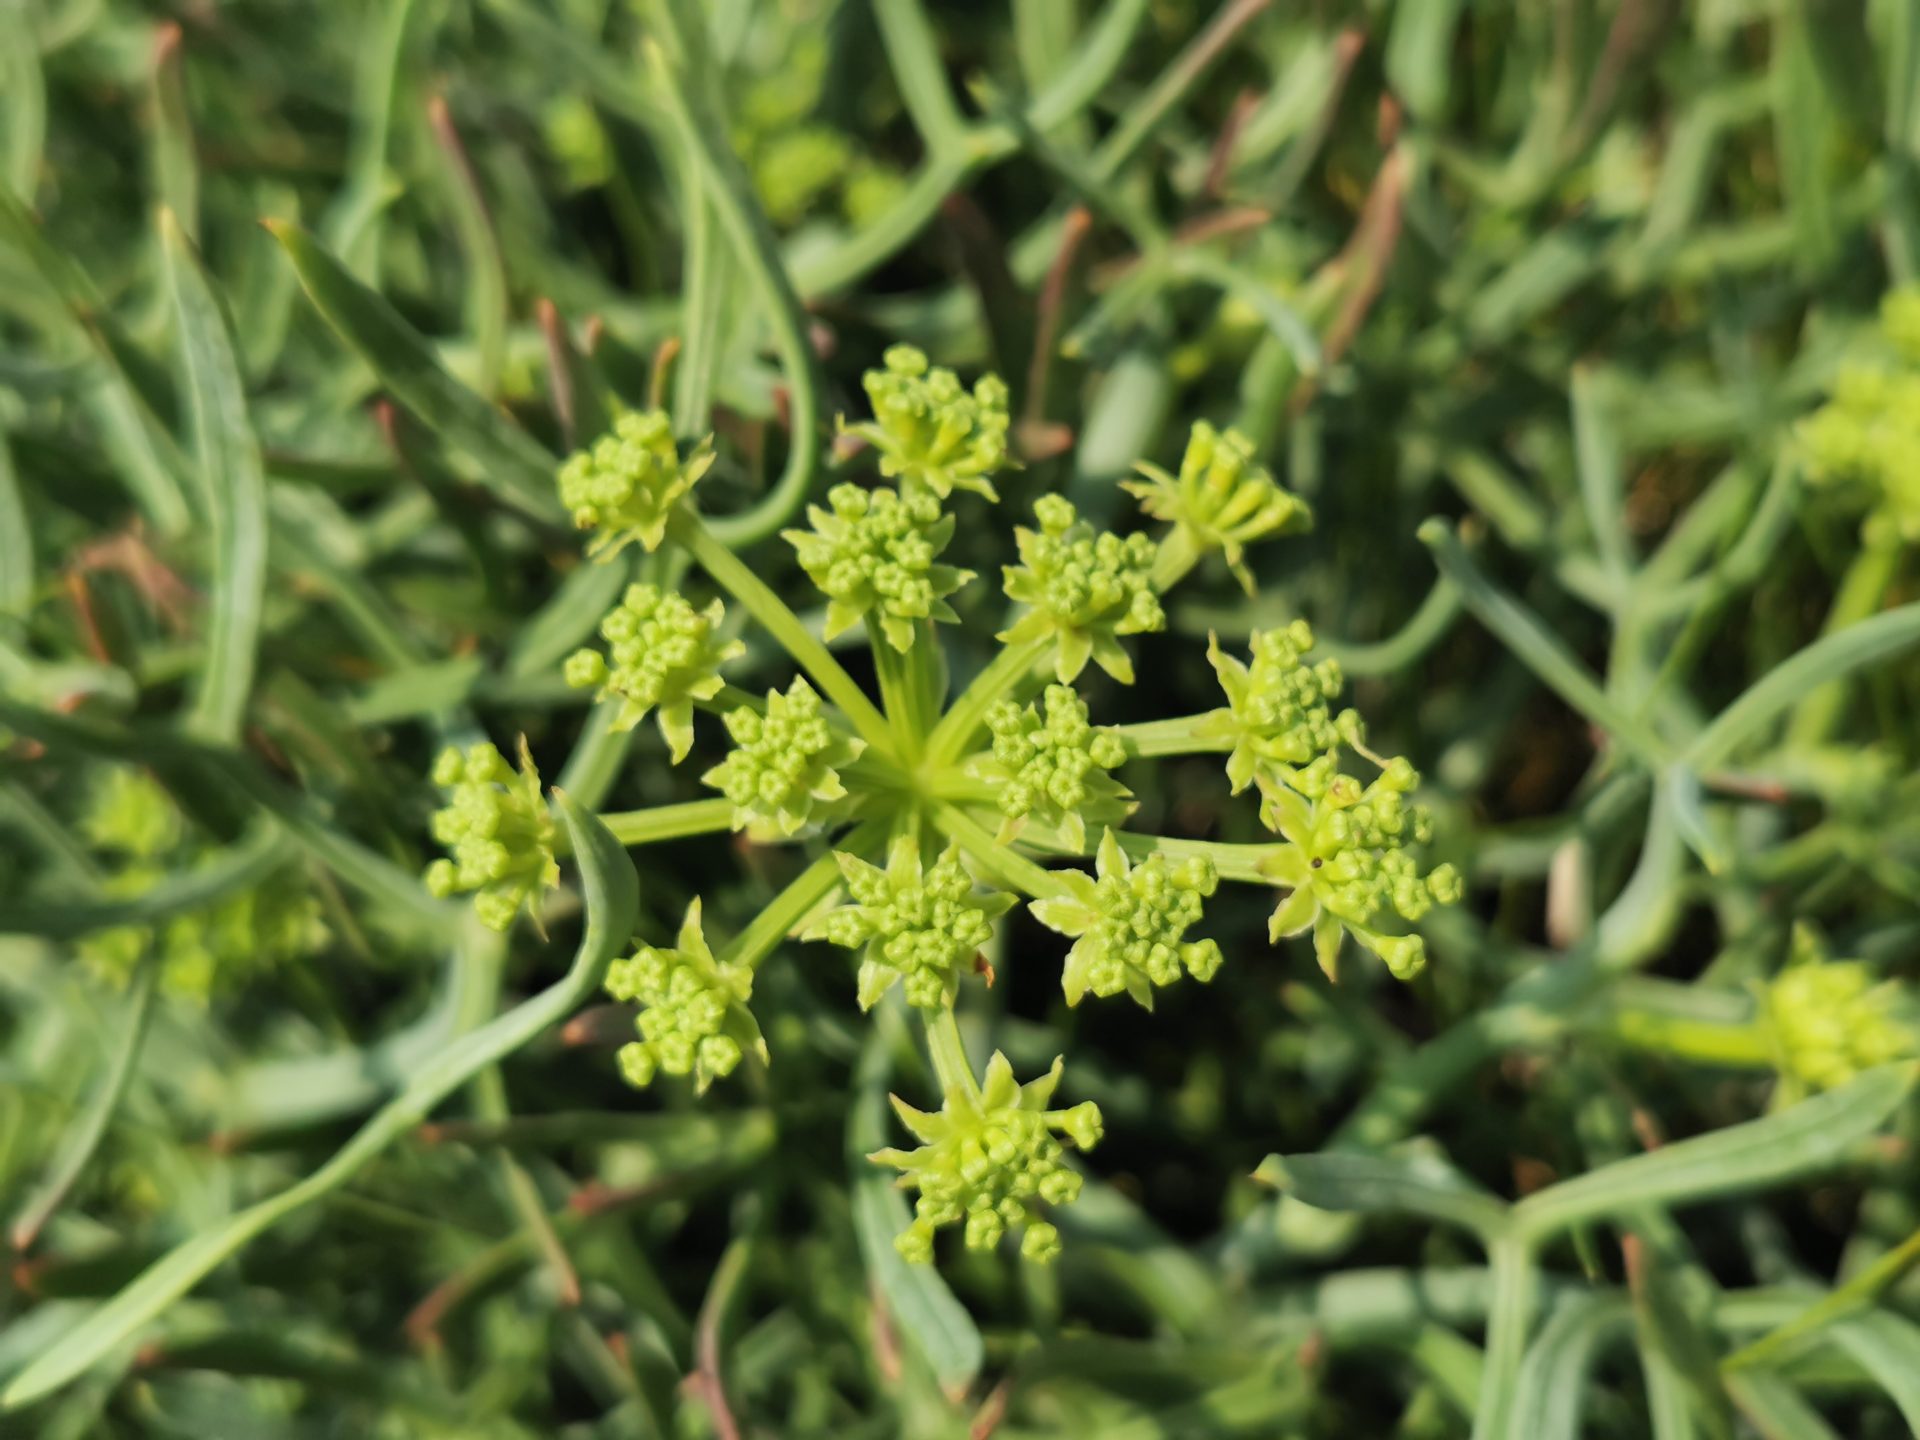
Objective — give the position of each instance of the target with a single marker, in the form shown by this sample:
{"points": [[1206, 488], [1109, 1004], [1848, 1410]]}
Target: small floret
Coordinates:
{"points": [[626, 485], [929, 431], [664, 656], [873, 555], [693, 1018], [1832, 1019], [1085, 589], [497, 825], [785, 764], [131, 813], [1130, 923], [1347, 864], [1278, 715], [1052, 767], [919, 926], [1223, 497], [987, 1162]]}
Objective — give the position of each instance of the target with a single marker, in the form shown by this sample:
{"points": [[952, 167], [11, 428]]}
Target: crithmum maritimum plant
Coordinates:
{"points": [[942, 808]]}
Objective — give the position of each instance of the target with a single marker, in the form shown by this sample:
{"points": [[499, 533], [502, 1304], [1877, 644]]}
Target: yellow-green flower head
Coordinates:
{"points": [[130, 812], [793, 168], [929, 431], [626, 485], [1278, 716], [1130, 924], [874, 553], [665, 655], [693, 1019], [1900, 322], [1346, 862], [1868, 432], [497, 825], [988, 1162], [1052, 767], [919, 926], [576, 138], [1222, 496], [1085, 588], [785, 762], [1831, 1019], [218, 948]]}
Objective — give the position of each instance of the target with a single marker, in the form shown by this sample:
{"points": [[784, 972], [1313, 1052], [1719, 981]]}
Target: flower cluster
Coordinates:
{"points": [[627, 484], [1222, 497], [929, 431], [785, 761], [988, 1160], [1278, 717], [874, 553], [1085, 589], [664, 655], [1131, 923], [694, 1018], [497, 825], [1052, 767], [130, 813], [921, 926], [1868, 432], [1831, 1019], [1346, 862]]}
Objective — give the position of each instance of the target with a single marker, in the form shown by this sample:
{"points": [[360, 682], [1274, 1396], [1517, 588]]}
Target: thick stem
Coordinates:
{"points": [[791, 905], [1179, 552], [1234, 862], [670, 822], [1002, 863], [1173, 737], [949, 1054], [898, 695], [734, 575], [955, 732], [1744, 1044]]}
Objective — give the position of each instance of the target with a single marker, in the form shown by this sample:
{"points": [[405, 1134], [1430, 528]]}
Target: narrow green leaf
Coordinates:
{"points": [[176, 169], [1415, 1184], [507, 459], [1550, 1396], [1776, 1409], [1599, 466], [1887, 1347], [229, 461], [244, 865], [1419, 56], [612, 896], [1800, 1140], [16, 539], [23, 85]]}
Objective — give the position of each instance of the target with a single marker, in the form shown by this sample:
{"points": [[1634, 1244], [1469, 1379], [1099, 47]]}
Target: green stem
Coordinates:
{"points": [[82, 1141], [1003, 863], [899, 695], [1172, 737], [1747, 1045], [956, 730], [1857, 1294], [949, 1054], [735, 576], [1234, 862], [913, 54], [791, 905], [1508, 1320], [670, 822]]}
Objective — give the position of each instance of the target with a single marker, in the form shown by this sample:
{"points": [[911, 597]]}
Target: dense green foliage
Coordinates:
{"points": [[1102, 502]]}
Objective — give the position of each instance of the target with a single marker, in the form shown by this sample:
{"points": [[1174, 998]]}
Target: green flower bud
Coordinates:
{"points": [[929, 431], [132, 813], [694, 1018], [987, 1163], [1053, 767], [1130, 923], [1085, 589], [1278, 717], [665, 655], [627, 484], [785, 762], [1222, 496], [1867, 435], [1347, 865], [1831, 1019], [794, 167], [920, 926], [497, 825], [874, 553]]}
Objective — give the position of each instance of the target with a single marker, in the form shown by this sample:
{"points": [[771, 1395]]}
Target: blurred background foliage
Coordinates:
{"points": [[1567, 274]]}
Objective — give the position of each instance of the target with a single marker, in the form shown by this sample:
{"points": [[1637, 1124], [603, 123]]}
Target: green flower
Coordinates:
{"points": [[1278, 718], [627, 484], [1868, 432], [1053, 767], [497, 825], [874, 553], [988, 1161], [132, 813], [666, 655], [929, 431], [1085, 590], [1831, 1019], [1222, 496], [1346, 863], [784, 762], [694, 1018], [1130, 924], [215, 949], [921, 926]]}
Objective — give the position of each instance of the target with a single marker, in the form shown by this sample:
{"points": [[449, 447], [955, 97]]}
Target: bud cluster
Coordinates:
{"points": [[874, 553], [785, 761], [1085, 589], [1052, 767], [929, 430], [1223, 497], [662, 655], [626, 485], [694, 1018], [497, 825], [1279, 718]]}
